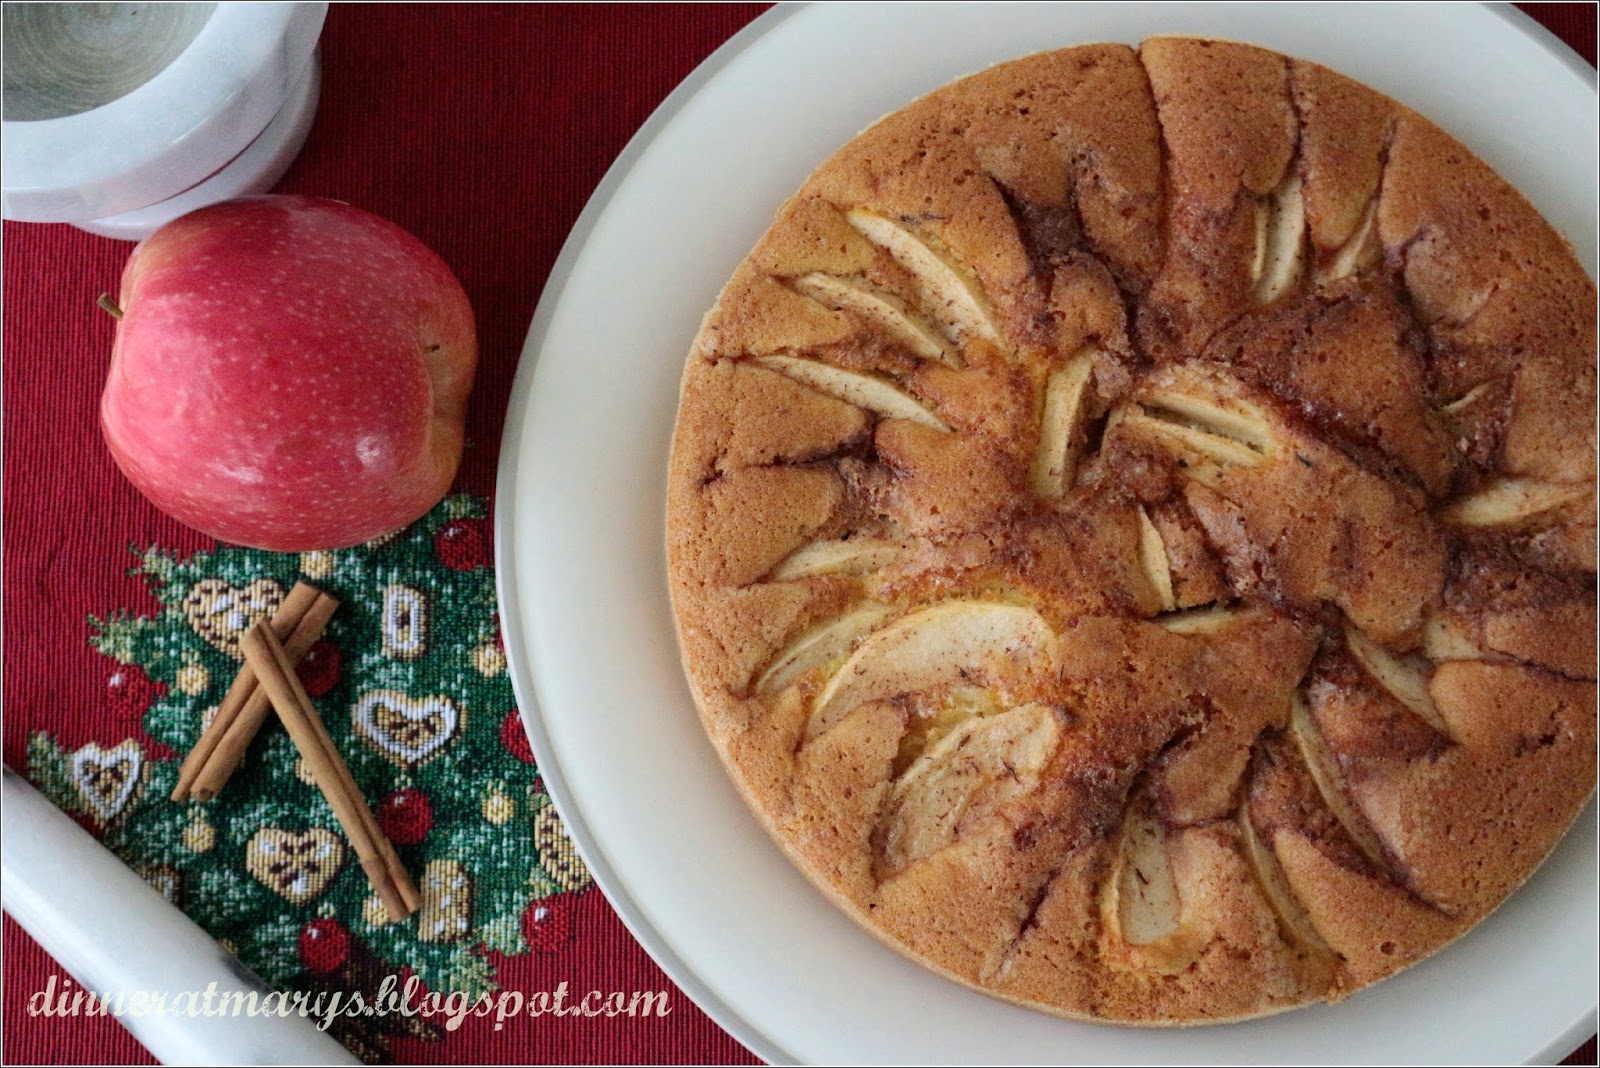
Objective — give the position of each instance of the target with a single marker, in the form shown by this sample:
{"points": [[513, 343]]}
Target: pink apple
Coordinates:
{"points": [[289, 373]]}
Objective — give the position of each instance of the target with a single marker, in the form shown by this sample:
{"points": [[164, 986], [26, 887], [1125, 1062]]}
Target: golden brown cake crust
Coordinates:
{"points": [[1131, 531]]}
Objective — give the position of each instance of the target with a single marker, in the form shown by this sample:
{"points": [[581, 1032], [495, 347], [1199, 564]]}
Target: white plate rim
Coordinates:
{"points": [[511, 623], [517, 629]]}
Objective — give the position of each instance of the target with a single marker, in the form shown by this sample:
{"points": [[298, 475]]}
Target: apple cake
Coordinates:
{"points": [[1131, 530]]}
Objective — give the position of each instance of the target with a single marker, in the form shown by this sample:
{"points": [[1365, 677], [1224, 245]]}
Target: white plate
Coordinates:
{"points": [[583, 589]]}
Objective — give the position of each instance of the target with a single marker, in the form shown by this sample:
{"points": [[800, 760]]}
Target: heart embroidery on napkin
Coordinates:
{"points": [[221, 612], [107, 778], [298, 867], [406, 730]]}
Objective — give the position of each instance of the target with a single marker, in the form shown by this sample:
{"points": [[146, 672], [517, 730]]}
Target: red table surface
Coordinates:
{"points": [[483, 130]]}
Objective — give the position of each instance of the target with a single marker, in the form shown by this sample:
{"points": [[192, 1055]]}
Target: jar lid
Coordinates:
{"points": [[169, 133]]}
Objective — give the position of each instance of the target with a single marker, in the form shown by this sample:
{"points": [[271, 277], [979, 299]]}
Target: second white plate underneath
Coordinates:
{"points": [[580, 539]]}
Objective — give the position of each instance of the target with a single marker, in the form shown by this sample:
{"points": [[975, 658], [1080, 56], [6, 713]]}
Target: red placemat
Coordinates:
{"points": [[483, 130]]}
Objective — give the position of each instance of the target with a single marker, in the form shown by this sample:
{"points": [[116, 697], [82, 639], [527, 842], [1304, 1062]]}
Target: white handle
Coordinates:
{"points": [[114, 933]]}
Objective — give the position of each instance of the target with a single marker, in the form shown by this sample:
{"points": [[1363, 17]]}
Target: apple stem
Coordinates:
{"points": [[110, 306]]}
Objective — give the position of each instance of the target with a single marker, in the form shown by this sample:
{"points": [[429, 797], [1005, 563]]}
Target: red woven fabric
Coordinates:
{"points": [[483, 130]]}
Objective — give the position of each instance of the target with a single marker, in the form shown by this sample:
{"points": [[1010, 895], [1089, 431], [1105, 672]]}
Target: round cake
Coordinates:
{"points": [[1131, 529]]}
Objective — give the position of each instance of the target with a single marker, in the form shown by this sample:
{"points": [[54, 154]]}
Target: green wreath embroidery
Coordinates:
{"points": [[411, 680]]}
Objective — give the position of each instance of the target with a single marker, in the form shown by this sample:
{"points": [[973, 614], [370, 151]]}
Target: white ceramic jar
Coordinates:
{"points": [[121, 116]]}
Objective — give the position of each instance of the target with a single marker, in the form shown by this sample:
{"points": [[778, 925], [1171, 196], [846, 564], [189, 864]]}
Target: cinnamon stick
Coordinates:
{"points": [[290, 612], [408, 889], [236, 740], [268, 658]]}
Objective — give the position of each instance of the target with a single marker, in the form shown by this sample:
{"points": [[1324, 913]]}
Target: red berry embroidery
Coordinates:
{"points": [[320, 668], [514, 738], [130, 692], [406, 816], [463, 544], [324, 945], [547, 924]]}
